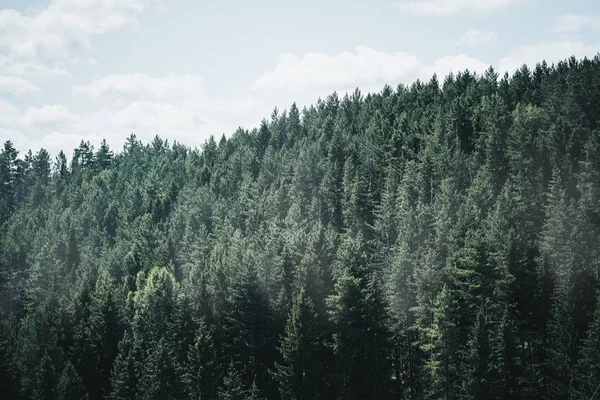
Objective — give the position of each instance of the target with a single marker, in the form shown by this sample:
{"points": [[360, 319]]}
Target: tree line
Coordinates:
{"points": [[433, 241]]}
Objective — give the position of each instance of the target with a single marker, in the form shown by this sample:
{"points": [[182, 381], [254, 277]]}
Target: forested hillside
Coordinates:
{"points": [[433, 241]]}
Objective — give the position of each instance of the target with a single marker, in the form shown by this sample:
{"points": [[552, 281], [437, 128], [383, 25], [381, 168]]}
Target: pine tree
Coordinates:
{"points": [[8, 373], [41, 167], [444, 349], [125, 375], [557, 257], [45, 379], [301, 374], [478, 377], [254, 393], [250, 329], [201, 368], [8, 180], [155, 309], [98, 337], [232, 388], [161, 375], [587, 377], [558, 368], [70, 385], [361, 338], [103, 156]]}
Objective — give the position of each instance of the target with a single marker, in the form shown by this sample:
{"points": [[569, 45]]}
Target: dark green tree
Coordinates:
{"points": [[361, 338], [302, 372], [126, 372]]}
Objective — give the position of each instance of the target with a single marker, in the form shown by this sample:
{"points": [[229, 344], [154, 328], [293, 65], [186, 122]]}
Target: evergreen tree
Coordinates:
{"points": [[444, 347], [8, 180], [125, 377], [201, 369], [587, 377], [437, 240], [160, 376], [70, 385], [250, 330], [232, 388], [361, 338], [301, 374], [479, 379]]}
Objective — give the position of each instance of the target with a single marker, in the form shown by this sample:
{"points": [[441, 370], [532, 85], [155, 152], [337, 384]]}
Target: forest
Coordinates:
{"points": [[439, 240]]}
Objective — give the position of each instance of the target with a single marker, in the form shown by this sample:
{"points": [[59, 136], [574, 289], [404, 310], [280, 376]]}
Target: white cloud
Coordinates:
{"points": [[64, 26], [371, 69], [44, 41], [36, 45], [444, 65], [16, 85], [573, 23], [56, 128], [181, 91], [46, 115], [176, 123], [551, 52], [173, 106], [7, 110], [346, 70], [11, 66], [34, 117], [474, 37], [169, 86], [364, 67], [445, 8]]}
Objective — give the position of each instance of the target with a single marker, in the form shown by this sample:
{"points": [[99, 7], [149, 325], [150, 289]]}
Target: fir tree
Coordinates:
{"points": [[301, 374], [125, 377]]}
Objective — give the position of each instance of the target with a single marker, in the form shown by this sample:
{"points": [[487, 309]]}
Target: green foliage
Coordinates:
{"points": [[438, 240], [232, 388], [125, 376], [360, 335], [302, 371], [160, 374], [201, 369], [70, 385]]}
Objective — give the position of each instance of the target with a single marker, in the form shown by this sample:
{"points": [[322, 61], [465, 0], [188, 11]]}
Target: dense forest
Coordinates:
{"points": [[433, 241]]}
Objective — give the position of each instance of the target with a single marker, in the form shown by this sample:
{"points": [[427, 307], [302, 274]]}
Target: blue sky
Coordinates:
{"points": [[93, 69]]}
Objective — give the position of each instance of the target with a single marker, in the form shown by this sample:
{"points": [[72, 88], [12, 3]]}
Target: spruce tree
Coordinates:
{"points": [[587, 376], [201, 368], [232, 387], [69, 385], [126, 372], [360, 335], [161, 374], [250, 330], [301, 374]]}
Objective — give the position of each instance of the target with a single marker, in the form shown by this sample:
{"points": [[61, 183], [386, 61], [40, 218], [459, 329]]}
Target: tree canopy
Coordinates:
{"points": [[433, 241]]}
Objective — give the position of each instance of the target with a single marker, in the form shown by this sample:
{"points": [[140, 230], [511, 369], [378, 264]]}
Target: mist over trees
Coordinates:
{"points": [[433, 241]]}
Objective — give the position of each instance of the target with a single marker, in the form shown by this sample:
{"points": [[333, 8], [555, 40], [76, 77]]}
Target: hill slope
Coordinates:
{"points": [[434, 241]]}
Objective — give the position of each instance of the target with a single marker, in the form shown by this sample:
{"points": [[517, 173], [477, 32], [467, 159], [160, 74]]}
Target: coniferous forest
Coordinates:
{"points": [[433, 241]]}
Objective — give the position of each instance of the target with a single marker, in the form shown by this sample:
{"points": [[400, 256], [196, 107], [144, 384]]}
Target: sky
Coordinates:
{"points": [[73, 70]]}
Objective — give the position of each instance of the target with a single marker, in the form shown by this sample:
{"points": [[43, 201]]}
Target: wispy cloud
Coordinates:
{"points": [[445, 8], [362, 67], [139, 84], [366, 67], [574, 23], [37, 45], [475, 38], [41, 42], [551, 52], [16, 85], [344, 70]]}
